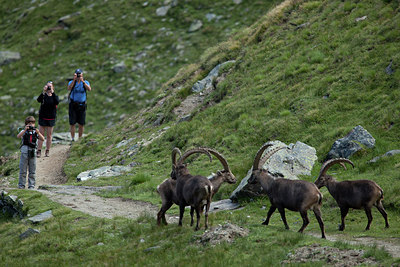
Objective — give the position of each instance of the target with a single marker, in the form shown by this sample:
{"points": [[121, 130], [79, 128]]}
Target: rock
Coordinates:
{"points": [[237, 2], [162, 11], [289, 163], [67, 17], [7, 57], [28, 233], [105, 171], [195, 26], [223, 233], [119, 68], [41, 217], [387, 154], [350, 144], [11, 206], [207, 81], [389, 70], [225, 204], [210, 16], [361, 18], [5, 97]]}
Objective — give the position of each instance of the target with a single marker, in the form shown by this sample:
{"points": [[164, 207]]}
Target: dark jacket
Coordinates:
{"points": [[48, 107]]}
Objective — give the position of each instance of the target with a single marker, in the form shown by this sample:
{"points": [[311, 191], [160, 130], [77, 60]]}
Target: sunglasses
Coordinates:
{"points": [[49, 82]]}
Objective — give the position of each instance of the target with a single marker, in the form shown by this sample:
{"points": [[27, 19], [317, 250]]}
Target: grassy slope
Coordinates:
{"points": [[104, 34], [274, 91]]}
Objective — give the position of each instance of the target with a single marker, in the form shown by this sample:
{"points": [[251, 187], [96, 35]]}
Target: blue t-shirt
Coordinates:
{"points": [[78, 93]]}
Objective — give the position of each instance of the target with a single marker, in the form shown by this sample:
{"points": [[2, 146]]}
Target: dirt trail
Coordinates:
{"points": [[49, 180]]}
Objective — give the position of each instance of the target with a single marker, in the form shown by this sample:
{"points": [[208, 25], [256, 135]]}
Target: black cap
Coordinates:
{"points": [[78, 71]]}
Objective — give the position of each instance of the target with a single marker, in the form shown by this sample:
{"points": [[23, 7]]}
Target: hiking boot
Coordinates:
{"points": [[38, 153], [47, 153]]}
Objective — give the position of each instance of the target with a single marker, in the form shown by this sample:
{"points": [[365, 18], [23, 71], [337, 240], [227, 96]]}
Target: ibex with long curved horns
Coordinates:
{"points": [[358, 194], [295, 195], [167, 189]]}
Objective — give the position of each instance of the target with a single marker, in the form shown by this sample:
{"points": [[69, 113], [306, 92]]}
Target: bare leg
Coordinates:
{"points": [[49, 131], [72, 130], [40, 142], [80, 130]]}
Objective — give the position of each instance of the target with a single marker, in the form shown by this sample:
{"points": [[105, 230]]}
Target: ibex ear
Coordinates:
{"points": [[219, 173]]}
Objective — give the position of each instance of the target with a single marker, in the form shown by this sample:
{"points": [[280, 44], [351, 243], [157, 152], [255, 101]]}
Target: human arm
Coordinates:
{"points": [[21, 133], [40, 136]]}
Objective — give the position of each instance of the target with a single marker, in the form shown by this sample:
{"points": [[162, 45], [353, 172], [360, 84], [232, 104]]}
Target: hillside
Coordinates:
{"points": [[126, 49], [305, 71]]}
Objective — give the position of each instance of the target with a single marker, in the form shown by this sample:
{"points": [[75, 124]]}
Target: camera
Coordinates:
{"points": [[48, 88], [78, 75], [31, 128]]}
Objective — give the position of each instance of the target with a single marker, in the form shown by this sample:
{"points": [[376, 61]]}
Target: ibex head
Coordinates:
{"points": [[323, 179]]}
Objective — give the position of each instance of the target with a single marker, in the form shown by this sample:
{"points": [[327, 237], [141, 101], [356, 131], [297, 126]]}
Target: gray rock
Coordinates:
{"points": [[351, 143], [105, 171], [7, 57], [162, 11], [5, 97], [28, 233], [207, 81], [119, 68], [195, 26], [225, 204], [289, 163], [237, 2], [67, 17], [387, 154], [41, 217]]}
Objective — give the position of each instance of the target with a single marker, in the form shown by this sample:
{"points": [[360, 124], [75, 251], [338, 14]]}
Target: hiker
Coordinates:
{"points": [[29, 136], [47, 116], [77, 102]]}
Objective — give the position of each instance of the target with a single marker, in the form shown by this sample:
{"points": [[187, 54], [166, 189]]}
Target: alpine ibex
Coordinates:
{"points": [[167, 189], [194, 191], [295, 195], [358, 194]]}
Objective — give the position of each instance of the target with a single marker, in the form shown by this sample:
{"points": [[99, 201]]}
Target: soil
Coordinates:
{"points": [[50, 179]]}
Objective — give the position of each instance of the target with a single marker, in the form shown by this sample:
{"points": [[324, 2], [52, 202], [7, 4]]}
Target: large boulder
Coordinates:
{"points": [[11, 206], [289, 163], [351, 143]]}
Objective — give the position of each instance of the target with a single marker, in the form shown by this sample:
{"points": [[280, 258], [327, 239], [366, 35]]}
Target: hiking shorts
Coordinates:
{"points": [[77, 113], [47, 122]]}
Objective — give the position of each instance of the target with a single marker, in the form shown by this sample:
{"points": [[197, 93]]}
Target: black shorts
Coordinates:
{"points": [[77, 113], [47, 122]]}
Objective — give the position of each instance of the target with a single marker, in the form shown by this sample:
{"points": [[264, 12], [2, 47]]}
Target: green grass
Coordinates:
{"points": [[313, 84]]}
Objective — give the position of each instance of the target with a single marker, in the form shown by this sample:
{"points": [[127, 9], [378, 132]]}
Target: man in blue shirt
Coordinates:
{"points": [[77, 102]]}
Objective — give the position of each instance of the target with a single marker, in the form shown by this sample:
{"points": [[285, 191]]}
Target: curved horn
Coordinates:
{"points": [[220, 158], [175, 151], [259, 154], [332, 162], [193, 151]]}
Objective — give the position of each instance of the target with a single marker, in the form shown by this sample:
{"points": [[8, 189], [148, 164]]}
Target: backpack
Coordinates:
{"points": [[29, 138]]}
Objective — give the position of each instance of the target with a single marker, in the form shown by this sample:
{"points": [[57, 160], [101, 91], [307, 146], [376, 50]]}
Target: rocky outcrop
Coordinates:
{"points": [[11, 206], [206, 83], [351, 143], [289, 163]]}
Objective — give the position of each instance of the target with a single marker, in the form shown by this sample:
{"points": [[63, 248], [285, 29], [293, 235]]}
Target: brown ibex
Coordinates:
{"points": [[295, 195], [167, 189], [358, 194], [194, 191]]}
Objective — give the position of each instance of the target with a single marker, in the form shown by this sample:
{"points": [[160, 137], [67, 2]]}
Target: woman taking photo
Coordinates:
{"points": [[47, 116]]}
